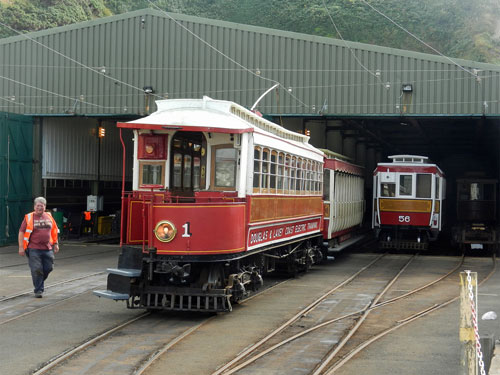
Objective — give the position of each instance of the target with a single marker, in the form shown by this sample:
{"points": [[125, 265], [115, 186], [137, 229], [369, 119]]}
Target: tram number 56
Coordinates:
{"points": [[404, 219]]}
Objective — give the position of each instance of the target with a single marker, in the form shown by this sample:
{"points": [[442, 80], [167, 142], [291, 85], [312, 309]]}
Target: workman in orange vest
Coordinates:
{"points": [[38, 241]]}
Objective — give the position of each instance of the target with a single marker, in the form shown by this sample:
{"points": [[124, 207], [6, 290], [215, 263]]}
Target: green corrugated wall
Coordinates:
{"points": [[110, 60], [16, 167]]}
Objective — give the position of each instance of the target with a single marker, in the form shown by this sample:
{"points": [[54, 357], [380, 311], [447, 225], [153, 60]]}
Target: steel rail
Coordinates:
{"points": [[344, 341], [224, 369], [153, 358], [12, 296], [61, 258], [57, 360], [67, 355], [42, 308], [314, 328], [402, 323]]}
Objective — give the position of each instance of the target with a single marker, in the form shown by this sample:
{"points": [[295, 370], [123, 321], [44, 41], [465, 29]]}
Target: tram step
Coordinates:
{"points": [[128, 272], [111, 295]]}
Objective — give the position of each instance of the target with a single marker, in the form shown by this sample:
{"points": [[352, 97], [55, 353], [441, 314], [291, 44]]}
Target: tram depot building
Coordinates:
{"points": [[63, 91]]}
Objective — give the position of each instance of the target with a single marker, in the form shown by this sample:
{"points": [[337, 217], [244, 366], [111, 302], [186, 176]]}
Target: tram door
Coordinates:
{"points": [[187, 169]]}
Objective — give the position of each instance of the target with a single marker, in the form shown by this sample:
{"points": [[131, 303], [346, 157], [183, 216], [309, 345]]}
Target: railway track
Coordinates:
{"points": [[60, 258], [389, 326], [154, 334], [246, 361], [20, 305], [151, 332], [143, 344]]}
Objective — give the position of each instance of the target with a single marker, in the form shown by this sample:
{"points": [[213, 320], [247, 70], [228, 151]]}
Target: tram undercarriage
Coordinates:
{"points": [[157, 282], [405, 239]]}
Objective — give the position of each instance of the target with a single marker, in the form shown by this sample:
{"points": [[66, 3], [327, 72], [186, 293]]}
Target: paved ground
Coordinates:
{"points": [[429, 346]]}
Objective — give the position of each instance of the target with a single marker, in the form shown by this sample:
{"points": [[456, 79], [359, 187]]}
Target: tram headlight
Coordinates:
{"points": [[165, 231]]}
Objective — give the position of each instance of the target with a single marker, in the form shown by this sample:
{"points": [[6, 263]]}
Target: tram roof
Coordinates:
{"points": [[210, 115], [218, 116]]}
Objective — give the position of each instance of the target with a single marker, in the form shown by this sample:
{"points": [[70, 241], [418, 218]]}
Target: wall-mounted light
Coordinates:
{"points": [[148, 89], [407, 87], [102, 132]]}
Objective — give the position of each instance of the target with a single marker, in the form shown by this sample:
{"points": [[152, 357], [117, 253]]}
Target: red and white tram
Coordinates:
{"points": [[408, 199], [220, 197]]}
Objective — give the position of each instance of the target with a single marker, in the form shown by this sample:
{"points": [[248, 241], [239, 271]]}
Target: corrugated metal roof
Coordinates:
{"points": [[125, 53]]}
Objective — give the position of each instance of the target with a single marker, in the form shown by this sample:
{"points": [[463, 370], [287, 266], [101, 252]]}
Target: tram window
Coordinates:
{"points": [[256, 168], [304, 176], [298, 177], [177, 183], [152, 173], [293, 174], [387, 190], [326, 185], [177, 143], [265, 170], [437, 187], [280, 172], [225, 167], [286, 178], [405, 185], [196, 173], [424, 188], [489, 192], [272, 183], [318, 177], [187, 171]]}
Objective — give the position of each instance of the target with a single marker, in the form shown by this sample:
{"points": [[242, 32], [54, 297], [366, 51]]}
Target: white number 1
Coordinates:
{"points": [[187, 233]]}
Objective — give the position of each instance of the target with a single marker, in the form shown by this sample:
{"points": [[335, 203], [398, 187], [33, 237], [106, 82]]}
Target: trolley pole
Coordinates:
{"points": [[468, 355]]}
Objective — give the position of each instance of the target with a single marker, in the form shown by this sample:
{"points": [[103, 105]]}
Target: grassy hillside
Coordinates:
{"points": [[458, 28]]}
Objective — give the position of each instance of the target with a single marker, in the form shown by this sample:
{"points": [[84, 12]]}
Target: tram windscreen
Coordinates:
{"points": [[424, 188]]}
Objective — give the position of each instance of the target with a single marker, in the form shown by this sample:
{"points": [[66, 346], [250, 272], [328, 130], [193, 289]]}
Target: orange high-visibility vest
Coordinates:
{"points": [[29, 229]]}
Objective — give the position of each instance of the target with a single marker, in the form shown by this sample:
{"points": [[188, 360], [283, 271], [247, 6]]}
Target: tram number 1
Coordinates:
{"points": [[187, 232], [404, 219]]}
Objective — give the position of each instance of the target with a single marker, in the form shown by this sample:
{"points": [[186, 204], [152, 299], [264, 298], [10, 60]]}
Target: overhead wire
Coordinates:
{"points": [[226, 56], [72, 59], [417, 38], [48, 92], [347, 45]]}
